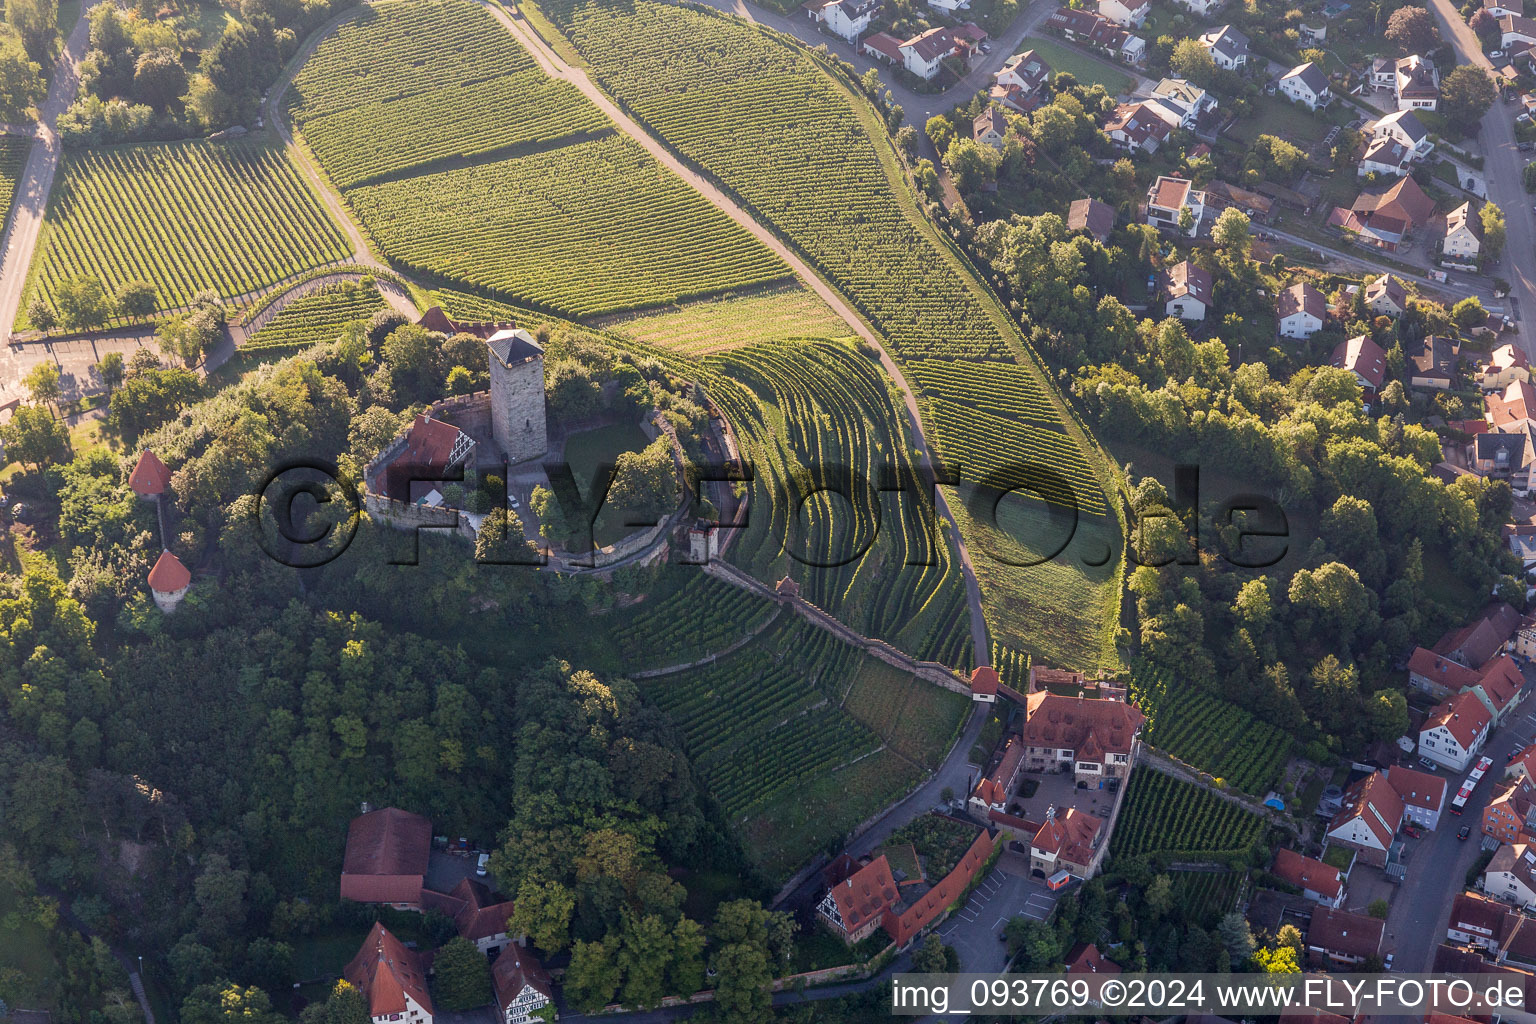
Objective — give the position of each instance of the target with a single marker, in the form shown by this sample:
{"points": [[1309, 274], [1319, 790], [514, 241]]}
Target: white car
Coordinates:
{"points": [[1496, 54]]}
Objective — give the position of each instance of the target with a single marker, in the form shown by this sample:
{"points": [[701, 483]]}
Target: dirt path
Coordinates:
{"points": [[26, 220], [553, 65]]}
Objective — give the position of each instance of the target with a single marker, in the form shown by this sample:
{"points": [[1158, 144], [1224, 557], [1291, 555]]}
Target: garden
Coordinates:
{"points": [[1176, 820]]}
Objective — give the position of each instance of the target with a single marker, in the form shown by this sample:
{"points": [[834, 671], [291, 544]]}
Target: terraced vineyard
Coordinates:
{"points": [[582, 230], [316, 317], [409, 83], [875, 560], [1180, 821], [232, 217], [917, 719], [780, 131], [1210, 733], [702, 617], [735, 321], [13, 160]]}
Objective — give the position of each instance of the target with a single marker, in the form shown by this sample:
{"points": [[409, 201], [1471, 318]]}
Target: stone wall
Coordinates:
{"points": [[404, 516]]}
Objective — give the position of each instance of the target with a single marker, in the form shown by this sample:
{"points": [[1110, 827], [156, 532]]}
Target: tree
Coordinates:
{"points": [[346, 1005], [21, 78], [1412, 29], [34, 437], [1235, 937], [83, 302], [228, 1003], [42, 383], [461, 381], [463, 975], [1186, 219], [686, 974], [41, 314], [973, 165], [593, 977], [159, 79], [940, 131], [1159, 895], [1468, 312], [135, 298], [36, 22], [1231, 233], [543, 913], [644, 485], [179, 339], [1379, 908], [1493, 230], [644, 955], [1465, 95], [742, 977], [1280, 960], [1192, 61]]}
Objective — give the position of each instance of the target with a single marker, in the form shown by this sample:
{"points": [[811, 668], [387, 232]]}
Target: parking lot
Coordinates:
{"points": [[976, 929]]}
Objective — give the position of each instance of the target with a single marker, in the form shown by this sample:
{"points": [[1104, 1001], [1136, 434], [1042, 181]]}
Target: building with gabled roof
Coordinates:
{"points": [[1522, 764], [1085, 958], [1026, 71], [149, 478], [1072, 841], [1093, 217], [1455, 731], [856, 906], [1370, 815], [1516, 31], [1423, 795], [1306, 84], [1365, 359], [1227, 46], [521, 987], [1384, 219], [1463, 242], [1386, 296], [1318, 882], [1476, 920], [1384, 156], [846, 19], [1511, 812], [1511, 875], [1135, 127], [392, 979], [994, 789], [1518, 402], [1301, 310], [1405, 128], [984, 684], [480, 917], [1343, 937], [990, 127], [1433, 362], [386, 858], [1096, 738], [1186, 290]]}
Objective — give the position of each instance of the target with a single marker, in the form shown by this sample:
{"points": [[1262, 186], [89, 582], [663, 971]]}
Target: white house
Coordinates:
{"points": [[1455, 731], [1404, 128], [1423, 795], [847, 19], [1385, 156], [1228, 47], [1137, 127], [1204, 8], [1463, 234], [521, 986], [1028, 71], [1186, 291], [1386, 296], [1191, 100], [1504, 8], [924, 55], [990, 128], [949, 6], [1301, 310], [1318, 882], [1514, 28], [1511, 875], [1306, 84], [1370, 815], [1416, 84], [1168, 198], [1126, 13]]}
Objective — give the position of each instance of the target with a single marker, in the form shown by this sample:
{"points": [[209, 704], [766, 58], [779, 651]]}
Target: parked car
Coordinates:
{"points": [[1464, 832], [1428, 765], [480, 864], [1413, 832]]}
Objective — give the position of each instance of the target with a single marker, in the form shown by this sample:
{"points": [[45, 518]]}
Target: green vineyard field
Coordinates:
{"points": [[231, 217], [316, 317], [13, 160], [1180, 821]]}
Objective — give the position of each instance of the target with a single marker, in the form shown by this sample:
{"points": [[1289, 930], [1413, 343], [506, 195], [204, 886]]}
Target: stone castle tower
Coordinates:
{"points": [[517, 394]]}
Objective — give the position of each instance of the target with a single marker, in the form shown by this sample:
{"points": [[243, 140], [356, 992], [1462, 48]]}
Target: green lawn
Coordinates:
{"points": [[1338, 857], [1272, 115], [1084, 68]]}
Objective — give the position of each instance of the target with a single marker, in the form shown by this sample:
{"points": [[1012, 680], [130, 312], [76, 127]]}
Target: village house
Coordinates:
{"points": [[1021, 84], [1511, 875], [1085, 958], [1318, 882], [856, 906], [924, 55], [1404, 128], [1463, 242], [1433, 361], [478, 915], [1136, 127], [1384, 156], [1307, 85], [391, 978], [1476, 920], [1522, 543], [1166, 201], [1504, 8], [990, 128], [1505, 454], [1344, 938], [1302, 311], [1506, 364], [1227, 46], [1093, 29], [1384, 219], [1187, 100], [1185, 290], [1515, 30], [1365, 359], [1511, 812], [1071, 841], [846, 19], [1455, 731], [386, 858], [1522, 763], [1518, 402], [1094, 739], [1386, 296], [994, 789], [1414, 81], [1092, 217], [1126, 13], [1423, 795], [521, 987], [1204, 8], [1370, 815]]}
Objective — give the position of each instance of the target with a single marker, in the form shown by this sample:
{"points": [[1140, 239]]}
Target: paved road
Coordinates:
{"points": [[36, 182], [553, 65], [1483, 289], [1503, 165], [1437, 864]]}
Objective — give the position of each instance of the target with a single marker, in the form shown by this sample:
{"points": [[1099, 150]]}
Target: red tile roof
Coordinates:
{"points": [[1085, 958], [149, 476], [984, 680], [1405, 202], [1416, 788], [1471, 912], [1302, 298], [1068, 722], [1374, 802], [1441, 670], [1388, 287], [1524, 757], [480, 915], [994, 788], [1462, 715], [902, 927], [1306, 873], [169, 574], [386, 858], [865, 895], [1363, 357], [386, 972], [1069, 836], [515, 969], [1346, 934], [1517, 403]]}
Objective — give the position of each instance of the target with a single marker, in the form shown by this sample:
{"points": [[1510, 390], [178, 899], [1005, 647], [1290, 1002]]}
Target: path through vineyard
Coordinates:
{"points": [[553, 65]]}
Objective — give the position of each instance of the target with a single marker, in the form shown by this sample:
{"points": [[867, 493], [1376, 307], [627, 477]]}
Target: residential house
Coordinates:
{"points": [[882, 46], [1136, 127], [1476, 921], [1125, 13], [1093, 217], [1386, 296], [1522, 542], [1522, 763], [1504, 8], [846, 19], [1480, 641], [1506, 454], [1228, 47], [1423, 795], [1383, 219], [1463, 237], [853, 908], [924, 55], [1511, 875], [1344, 938], [1404, 128], [1185, 290], [1414, 81], [994, 789], [391, 978], [1072, 842], [1185, 97], [1204, 8], [1021, 84], [1370, 815], [1433, 361], [521, 987], [1455, 731], [386, 858], [1302, 310], [1095, 739], [1085, 958], [1384, 156], [1511, 812], [1306, 84], [1507, 364], [1318, 882], [1515, 30], [477, 913], [990, 128], [1168, 198], [1365, 359], [1518, 402], [949, 7], [1095, 30]]}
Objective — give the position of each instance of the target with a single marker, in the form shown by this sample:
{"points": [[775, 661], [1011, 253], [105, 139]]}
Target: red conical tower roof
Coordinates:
{"points": [[149, 477], [168, 575]]}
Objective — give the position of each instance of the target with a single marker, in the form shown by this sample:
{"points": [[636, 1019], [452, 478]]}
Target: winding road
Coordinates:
{"points": [[555, 67]]}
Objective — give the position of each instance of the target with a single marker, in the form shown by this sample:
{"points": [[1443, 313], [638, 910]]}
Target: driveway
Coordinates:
{"points": [[976, 928]]}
